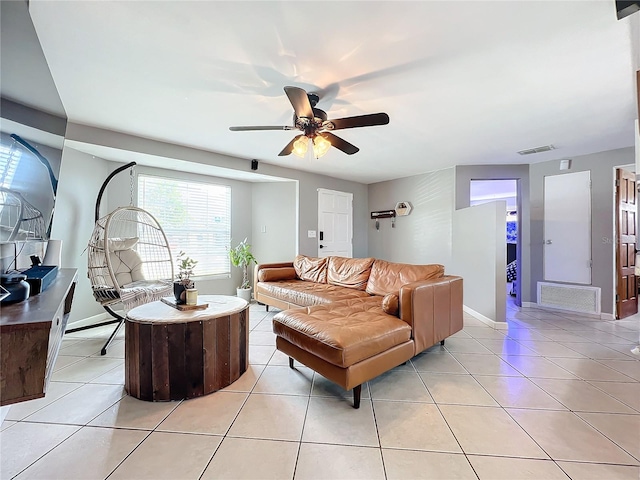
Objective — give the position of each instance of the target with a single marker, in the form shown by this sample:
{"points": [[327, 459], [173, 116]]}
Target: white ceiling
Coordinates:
{"points": [[463, 82]]}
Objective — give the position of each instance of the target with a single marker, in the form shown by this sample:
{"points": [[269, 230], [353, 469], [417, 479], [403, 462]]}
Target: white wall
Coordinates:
{"points": [[274, 211], [479, 256], [422, 237], [81, 176]]}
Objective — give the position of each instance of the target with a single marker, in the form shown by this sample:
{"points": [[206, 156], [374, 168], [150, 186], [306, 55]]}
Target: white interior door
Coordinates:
{"points": [[567, 228], [335, 223]]}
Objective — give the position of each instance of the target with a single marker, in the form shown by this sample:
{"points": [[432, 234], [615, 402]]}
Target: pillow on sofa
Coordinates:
{"points": [[310, 268], [349, 272], [388, 277], [390, 304], [276, 274]]}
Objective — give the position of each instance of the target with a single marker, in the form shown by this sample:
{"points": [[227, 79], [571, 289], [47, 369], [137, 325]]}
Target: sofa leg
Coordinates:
{"points": [[290, 362], [441, 342], [356, 396]]}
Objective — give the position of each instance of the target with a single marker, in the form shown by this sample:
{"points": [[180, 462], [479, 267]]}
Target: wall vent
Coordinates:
{"points": [[544, 148], [575, 298]]}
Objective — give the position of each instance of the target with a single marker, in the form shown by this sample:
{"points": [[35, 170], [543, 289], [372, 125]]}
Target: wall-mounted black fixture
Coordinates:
{"points": [[254, 164], [383, 214]]}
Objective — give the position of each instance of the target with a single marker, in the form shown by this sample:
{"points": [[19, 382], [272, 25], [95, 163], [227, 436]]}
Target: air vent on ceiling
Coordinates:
{"points": [[545, 148]]}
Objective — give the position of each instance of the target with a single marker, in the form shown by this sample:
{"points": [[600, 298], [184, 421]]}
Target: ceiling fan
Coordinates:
{"points": [[315, 126]]}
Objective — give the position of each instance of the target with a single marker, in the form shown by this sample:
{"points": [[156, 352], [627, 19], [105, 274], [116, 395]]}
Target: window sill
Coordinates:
{"points": [[205, 278]]}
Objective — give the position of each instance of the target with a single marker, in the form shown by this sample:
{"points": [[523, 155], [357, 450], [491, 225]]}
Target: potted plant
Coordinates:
{"points": [[241, 256], [183, 278]]}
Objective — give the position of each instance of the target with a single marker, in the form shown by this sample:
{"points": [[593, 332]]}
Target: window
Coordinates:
{"points": [[196, 217], [9, 159]]}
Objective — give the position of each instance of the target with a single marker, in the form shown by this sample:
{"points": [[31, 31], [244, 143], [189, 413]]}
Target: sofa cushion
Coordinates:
{"points": [[342, 333], [388, 277], [310, 268], [304, 294], [275, 274], [349, 272], [390, 304]]}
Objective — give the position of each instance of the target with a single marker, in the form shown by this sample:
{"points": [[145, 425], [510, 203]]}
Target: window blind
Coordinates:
{"points": [[195, 216]]}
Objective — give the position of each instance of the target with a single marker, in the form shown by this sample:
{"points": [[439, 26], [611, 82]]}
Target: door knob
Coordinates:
{"points": [[548, 242], [321, 246]]}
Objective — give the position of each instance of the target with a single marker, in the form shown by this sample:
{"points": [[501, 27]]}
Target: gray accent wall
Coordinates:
{"points": [[81, 176], [274, 211], [602, 167], [422, 237]]}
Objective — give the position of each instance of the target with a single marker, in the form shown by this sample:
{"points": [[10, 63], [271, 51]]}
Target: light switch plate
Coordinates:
{"points": [[311, 233]]}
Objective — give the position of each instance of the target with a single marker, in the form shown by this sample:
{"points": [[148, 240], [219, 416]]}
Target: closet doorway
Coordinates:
{"points": [[483, 191]]}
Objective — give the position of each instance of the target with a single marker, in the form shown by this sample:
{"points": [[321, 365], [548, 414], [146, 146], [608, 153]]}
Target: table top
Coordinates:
{"points": [[159, 312], [39, 308]]}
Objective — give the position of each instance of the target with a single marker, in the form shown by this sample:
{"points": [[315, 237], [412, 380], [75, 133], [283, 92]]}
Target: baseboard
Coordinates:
{"points": [[487, 320], [603, 316], [101, 317]]}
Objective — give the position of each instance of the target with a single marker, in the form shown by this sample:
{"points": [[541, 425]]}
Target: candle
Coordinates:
{"points": [[192, 296]]}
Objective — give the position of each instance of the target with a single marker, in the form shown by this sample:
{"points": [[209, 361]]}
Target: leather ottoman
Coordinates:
{"points": [[348, 342]]}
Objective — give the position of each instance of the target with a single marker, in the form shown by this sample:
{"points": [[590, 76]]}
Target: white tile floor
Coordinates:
{"points": [[555, 396]]}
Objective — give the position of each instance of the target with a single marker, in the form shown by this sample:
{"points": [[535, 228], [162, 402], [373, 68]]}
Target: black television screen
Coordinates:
{"points": [[28, 185], [625, 8]]}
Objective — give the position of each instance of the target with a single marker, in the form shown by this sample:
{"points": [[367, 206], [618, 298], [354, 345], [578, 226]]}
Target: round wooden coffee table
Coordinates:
{"points": [[173, 355]]}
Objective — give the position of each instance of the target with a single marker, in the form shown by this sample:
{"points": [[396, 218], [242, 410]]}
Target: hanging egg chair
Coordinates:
{"points": [[129, 259]]}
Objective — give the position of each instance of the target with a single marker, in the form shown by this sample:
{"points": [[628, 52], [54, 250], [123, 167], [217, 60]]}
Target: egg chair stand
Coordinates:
{"points": [[129, 260]]}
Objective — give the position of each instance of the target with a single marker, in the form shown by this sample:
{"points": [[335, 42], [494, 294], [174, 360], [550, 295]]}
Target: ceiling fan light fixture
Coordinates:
{"points": [[313, 124], [320, 146], [300, 146]]}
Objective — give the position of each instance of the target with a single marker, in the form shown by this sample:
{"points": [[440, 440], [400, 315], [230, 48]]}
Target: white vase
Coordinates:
{"points": [[244, 293]]}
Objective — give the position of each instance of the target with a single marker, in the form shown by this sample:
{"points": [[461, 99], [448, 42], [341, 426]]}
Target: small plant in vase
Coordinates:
{"points": [[241, 256], [183, 278]]}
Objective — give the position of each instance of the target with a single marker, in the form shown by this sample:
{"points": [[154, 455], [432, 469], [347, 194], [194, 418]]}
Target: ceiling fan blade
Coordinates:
{"points": [[360, 121], [289, 148], [339, 143], [300, 101], [274, 127]]}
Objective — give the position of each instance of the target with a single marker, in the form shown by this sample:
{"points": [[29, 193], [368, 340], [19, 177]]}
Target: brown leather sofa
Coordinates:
{"points": [[351, 319]]}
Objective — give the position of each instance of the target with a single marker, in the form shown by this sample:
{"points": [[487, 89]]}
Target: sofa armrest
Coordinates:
{"points": [[268, 265], [433, 308]]}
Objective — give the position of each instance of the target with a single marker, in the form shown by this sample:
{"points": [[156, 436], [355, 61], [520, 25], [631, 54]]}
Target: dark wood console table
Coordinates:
{"points": [[30, 337]]}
